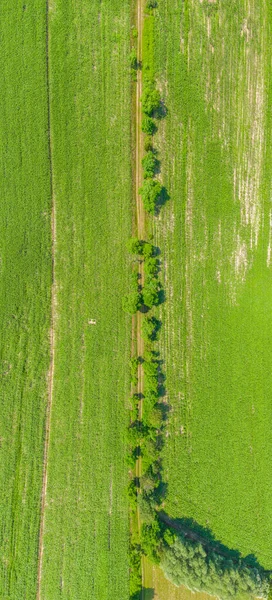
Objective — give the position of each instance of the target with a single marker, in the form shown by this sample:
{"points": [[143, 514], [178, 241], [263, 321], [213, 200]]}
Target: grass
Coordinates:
{"points": [[86, 519], [214, 71], [25, 281]]}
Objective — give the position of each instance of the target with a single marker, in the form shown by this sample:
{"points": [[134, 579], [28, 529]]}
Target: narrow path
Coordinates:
{"points": [[52, 327], [140, 230]]}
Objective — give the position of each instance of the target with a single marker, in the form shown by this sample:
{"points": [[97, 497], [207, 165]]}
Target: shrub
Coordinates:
{"points": [[150, 101], [134, 370], [135, 576], [132, 494], [150, 193], [146, 508], [148, 125], [134, 246], [149, 163], [131, 302]]}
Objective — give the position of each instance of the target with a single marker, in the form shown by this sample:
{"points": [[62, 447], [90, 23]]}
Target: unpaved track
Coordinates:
{"points": [[52, 328], [140, 228]]}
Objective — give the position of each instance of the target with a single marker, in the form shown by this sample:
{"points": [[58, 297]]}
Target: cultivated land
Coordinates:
{"points": [[86, 528], [25, 283], [214, 70]]}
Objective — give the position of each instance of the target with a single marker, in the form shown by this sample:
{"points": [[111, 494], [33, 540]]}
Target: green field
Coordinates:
{"points": [[86, 517], [25, 294], [214, 70]]}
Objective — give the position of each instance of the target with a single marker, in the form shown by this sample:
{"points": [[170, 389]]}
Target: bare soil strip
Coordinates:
{"points": [[52, 328]]}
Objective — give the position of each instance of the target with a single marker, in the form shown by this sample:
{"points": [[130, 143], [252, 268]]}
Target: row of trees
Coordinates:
{"points": [[148, 295], [187, 562]]}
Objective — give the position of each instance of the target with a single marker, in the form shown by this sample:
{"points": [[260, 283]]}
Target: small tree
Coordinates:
{"points": [[148, 250], [131, 302], [148, 125], [150, 101], [150, 193], [150, 164], [134, 246], [151, 294]]}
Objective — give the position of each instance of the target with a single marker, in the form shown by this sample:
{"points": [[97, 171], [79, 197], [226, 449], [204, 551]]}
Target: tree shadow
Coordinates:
{"points": [[161, 112], [148, 593], [195, 532], [162, 199]]}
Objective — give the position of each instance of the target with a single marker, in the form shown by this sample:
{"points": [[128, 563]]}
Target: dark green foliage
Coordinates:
{"points": [[133, 59], [131, 302], [187, 562], [151, 293], [134, 246], [150, 100], [150, 164], [131, 457], [150, 193], [151, 4], [148, 125]]}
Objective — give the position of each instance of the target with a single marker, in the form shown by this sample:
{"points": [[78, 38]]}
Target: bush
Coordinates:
{"points": [[148, 125], [150, 193], [132, 494], [146, 508], [134, 370], [131, 302], [134, 246], [151, 294], [135, 574], [150, 164], [150, 101]]}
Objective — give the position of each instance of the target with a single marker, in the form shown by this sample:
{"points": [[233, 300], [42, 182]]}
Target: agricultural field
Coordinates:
{"points": [[86, 527], [25, 290], [213, 66]]}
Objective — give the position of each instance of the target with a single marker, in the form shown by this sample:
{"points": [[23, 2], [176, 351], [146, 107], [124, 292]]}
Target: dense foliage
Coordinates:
{"points": [[187, 562]]}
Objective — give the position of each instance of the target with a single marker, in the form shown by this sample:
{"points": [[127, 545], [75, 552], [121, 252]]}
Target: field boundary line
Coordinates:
{"points": [[53, 318]]}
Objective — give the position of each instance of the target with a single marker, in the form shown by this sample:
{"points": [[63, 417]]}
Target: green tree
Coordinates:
{"points": [[148, 250], [134, 246], [151, 293], [149, 328], [150, 193], [131, 302], [151, 267], [150, 101], [148, 125], [149, 163]]}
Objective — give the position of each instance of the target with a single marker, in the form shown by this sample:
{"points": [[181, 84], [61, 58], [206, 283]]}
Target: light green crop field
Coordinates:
{"points": [[214, 70], [25, 282], [86, 518]]}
